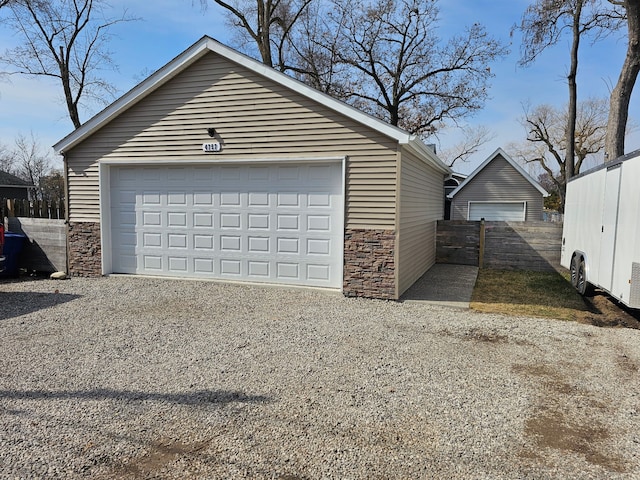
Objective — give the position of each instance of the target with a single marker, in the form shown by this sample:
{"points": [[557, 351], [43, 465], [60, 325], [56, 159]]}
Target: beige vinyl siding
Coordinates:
{"points": [[254, 118], [421, 206], [498, 182]]}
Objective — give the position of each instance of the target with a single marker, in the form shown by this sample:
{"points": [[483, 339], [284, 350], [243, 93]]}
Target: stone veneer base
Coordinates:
{"points": [[369, 263], [369, 259], [84, 249]]}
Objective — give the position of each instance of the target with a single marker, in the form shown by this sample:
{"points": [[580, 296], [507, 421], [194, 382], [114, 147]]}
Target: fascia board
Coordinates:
{"points": [[426, 154]]}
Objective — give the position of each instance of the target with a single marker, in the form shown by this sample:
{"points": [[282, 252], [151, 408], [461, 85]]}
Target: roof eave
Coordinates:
{"points": [[418, 147]]}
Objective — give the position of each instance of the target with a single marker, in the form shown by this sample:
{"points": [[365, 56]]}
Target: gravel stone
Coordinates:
{"points": [[126, 377]]}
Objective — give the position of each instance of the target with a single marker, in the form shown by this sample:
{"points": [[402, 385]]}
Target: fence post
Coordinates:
{"points": [[481, 248], [11, 205]]}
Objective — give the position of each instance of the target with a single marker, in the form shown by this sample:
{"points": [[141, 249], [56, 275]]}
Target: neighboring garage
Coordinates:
{"points": [[499, 190], [219, 167]]}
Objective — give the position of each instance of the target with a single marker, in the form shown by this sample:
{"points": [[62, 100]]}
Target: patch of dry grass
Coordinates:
{"points": [[537, 294]]}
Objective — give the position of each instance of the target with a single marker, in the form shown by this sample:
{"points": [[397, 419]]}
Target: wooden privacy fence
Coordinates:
{"points": [[500, 245], [43, 226], [54, 210]]}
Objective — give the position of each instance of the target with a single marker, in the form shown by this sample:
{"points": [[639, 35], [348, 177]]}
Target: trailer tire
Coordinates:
{"points": [[584, 288], [573, 270]]}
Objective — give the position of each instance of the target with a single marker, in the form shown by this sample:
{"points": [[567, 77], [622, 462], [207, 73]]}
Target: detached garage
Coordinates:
{"points": [[219, 167], [498, 190]]}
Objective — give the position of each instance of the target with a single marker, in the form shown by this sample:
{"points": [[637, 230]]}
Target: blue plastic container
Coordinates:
{"points": [[13, 243]]}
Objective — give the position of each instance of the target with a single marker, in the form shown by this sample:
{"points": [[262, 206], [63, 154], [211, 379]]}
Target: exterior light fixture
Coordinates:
{"points": [[211, 131]]}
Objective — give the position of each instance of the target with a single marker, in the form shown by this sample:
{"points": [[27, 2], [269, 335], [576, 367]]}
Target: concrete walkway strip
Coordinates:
{"points": [[444, 284]]}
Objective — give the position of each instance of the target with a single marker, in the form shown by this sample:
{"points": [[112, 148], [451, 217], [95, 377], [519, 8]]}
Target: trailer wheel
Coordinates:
{"points": [[584, 288], [573, 270]]}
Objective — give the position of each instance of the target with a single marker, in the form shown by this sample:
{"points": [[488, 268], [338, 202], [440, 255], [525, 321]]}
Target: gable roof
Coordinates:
{"points": [[9, 180], [206, 45], [511, 161]]}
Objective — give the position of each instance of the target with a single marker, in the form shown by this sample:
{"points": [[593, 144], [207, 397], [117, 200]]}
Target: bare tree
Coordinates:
{"points": [[52, 186], [402, 72], [547, 139], [543, 25], [265, 23], [31, 161], [66, 40], [621, 94], [472, 139], [313, 50], [6, 160]]}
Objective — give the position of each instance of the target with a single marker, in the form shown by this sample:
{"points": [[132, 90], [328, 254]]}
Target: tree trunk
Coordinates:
{"points": [[573, 93], [621, 94], [65, 78], [264, 31]]}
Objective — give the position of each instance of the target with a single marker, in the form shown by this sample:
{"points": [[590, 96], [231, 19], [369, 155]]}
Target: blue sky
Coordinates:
{"points": [[170, 26]]}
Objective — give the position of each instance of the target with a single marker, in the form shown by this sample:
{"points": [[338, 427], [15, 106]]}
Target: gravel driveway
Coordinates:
{"points": [[126, 377]]}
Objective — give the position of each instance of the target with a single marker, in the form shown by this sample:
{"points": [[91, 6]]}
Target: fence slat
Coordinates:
{"points": [[11, 207]]}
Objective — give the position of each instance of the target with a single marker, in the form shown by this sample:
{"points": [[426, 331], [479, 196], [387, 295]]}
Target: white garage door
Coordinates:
{"points": [[262, 223], [499, 211]]}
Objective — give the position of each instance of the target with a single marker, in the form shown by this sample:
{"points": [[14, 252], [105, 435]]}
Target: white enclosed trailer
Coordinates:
{"points": [[601, 234]]}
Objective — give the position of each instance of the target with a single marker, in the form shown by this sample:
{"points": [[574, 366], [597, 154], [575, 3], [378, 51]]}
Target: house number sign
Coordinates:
{"points": [[212, 147]]}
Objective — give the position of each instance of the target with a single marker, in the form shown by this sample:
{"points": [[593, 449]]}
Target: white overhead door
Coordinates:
{"points": [[498, 211], [276, 223]]}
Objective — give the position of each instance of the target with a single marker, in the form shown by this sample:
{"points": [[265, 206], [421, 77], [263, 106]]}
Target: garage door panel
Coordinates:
{"points": [[151, 198], [230, 220], [318, 223], [177, 240], [127, 239], [151, 219], [258, 199], [151, 240], [288, 222], [318, 272], [288, 271], [202, 220], [319, 200], [128, 261], [203, 241], [258, 221], [497, 211], [258, 269], [288, 174], [230, 199], [178, 264], [316, 246], [244, 223], [204, 199], [203, 266], [230, 266], [152, 262], [260, 245]]}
